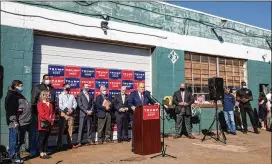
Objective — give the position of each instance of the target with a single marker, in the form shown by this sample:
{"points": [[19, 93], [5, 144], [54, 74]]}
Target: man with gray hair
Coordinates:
{"points": [[103, 106], [122, 115]]}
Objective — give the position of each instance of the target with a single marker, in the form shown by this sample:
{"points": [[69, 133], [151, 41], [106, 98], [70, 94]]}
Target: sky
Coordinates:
{"points": [[253, 13]]}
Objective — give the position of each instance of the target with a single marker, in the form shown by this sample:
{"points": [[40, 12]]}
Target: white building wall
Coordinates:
{"points": [[164, 39]]}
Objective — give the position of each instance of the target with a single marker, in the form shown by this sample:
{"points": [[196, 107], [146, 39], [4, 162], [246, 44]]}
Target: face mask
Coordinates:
{"points": [[104, 92], [87, 89], [67, 89], [182, 89], [21, 89], [244, 86], [46, 82]]}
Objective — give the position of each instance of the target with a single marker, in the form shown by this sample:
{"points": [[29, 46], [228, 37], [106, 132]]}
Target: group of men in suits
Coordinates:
{"points": [[123, 106]]}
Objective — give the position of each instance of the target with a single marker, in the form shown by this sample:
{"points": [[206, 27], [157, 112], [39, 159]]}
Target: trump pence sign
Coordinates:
{"points": [[151, 112]]}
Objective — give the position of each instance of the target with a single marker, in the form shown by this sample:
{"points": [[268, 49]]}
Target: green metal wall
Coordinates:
{"points": [[165, 17], [16, 58], [258, 73]]}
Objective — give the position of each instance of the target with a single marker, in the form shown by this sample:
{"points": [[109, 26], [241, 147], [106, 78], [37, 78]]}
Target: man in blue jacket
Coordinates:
{"points": [[103, 109], [228, 109], [136, 99]]}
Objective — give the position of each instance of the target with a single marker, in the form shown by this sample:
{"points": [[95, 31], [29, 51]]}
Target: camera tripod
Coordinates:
{"points": [[218, 127]]}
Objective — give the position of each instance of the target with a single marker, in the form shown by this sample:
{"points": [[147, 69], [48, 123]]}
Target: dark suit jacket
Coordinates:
{"points": [[118, 103], [100, 109], [188, 98], [36, 93], [84, 105], [134, 99]]}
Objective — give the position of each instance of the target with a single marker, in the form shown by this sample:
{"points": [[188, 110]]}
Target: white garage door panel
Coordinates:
{"points": [[50, 50]]}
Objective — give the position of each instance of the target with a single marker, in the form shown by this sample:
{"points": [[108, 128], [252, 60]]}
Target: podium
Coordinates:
{"points": [[146, 130]]}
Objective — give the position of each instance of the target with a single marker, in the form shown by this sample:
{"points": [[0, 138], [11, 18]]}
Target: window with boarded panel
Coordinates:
{"points": [[200, 67]]}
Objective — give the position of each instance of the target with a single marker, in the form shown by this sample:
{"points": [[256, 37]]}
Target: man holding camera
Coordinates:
{"points": [[244, 96], [67, 105]]}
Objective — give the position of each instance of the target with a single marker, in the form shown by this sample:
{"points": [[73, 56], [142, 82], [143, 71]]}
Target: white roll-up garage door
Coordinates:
{"points": [[59, 51]]}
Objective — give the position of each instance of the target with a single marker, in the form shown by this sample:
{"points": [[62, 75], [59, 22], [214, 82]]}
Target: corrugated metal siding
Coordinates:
{"points": [[51, 50]]}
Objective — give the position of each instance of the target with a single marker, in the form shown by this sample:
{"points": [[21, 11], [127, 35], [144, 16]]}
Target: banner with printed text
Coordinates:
{"points": [[76, 76]]}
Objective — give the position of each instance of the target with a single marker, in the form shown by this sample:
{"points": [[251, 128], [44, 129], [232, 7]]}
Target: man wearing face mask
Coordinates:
{"points": [[86, 106], [183, 101], [45, 85], [244, 96], [237, 118], [67, 105], [103, 108]]}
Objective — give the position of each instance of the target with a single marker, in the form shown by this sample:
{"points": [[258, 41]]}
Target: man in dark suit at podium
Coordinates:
{"points": [[122, 115], [136, 99], [183, 101]]}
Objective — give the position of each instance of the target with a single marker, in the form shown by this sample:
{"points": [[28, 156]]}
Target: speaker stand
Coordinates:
{"points": [[218, 127]]}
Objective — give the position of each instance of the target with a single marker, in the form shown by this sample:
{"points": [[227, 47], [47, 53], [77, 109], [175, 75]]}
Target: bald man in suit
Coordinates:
{"points": [[136, 99], [183, 101]]}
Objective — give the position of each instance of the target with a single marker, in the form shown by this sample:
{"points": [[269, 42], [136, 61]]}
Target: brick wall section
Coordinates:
{"points": [[16, 58]]}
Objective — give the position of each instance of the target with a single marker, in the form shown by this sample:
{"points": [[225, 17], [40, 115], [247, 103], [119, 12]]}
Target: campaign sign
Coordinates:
{"points": [[96, 93], [91, 82], [115, 74], [127, 75], [128, 84], [139, 75], [100, 82], [75, 92], [101, 73], [115, 84], [151, 112], [57, 82], [128, 91], [87, 72], [136, 83], [58, 92], [73, 82], [72, 71], [113, 93], [55, 70], [91, 92]]}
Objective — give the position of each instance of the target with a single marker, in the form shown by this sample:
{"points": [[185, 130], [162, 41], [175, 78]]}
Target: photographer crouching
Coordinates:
{"points": [[18, 115]]}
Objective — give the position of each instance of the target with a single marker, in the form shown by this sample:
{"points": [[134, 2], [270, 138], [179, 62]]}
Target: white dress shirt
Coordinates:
{"points": [[67, 101]]}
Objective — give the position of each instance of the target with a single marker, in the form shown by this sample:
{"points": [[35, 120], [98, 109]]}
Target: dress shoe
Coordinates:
{"points": [[176, 136], [76, 146], [44, 157], [126, 140], [245, 131], [119, 140], [191, 137], [256, 131], [233, 133], [109, 141]]}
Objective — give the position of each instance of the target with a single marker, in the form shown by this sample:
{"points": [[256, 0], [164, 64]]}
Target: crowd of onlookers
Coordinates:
{"points": [[39, 116], [237, 103]]}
